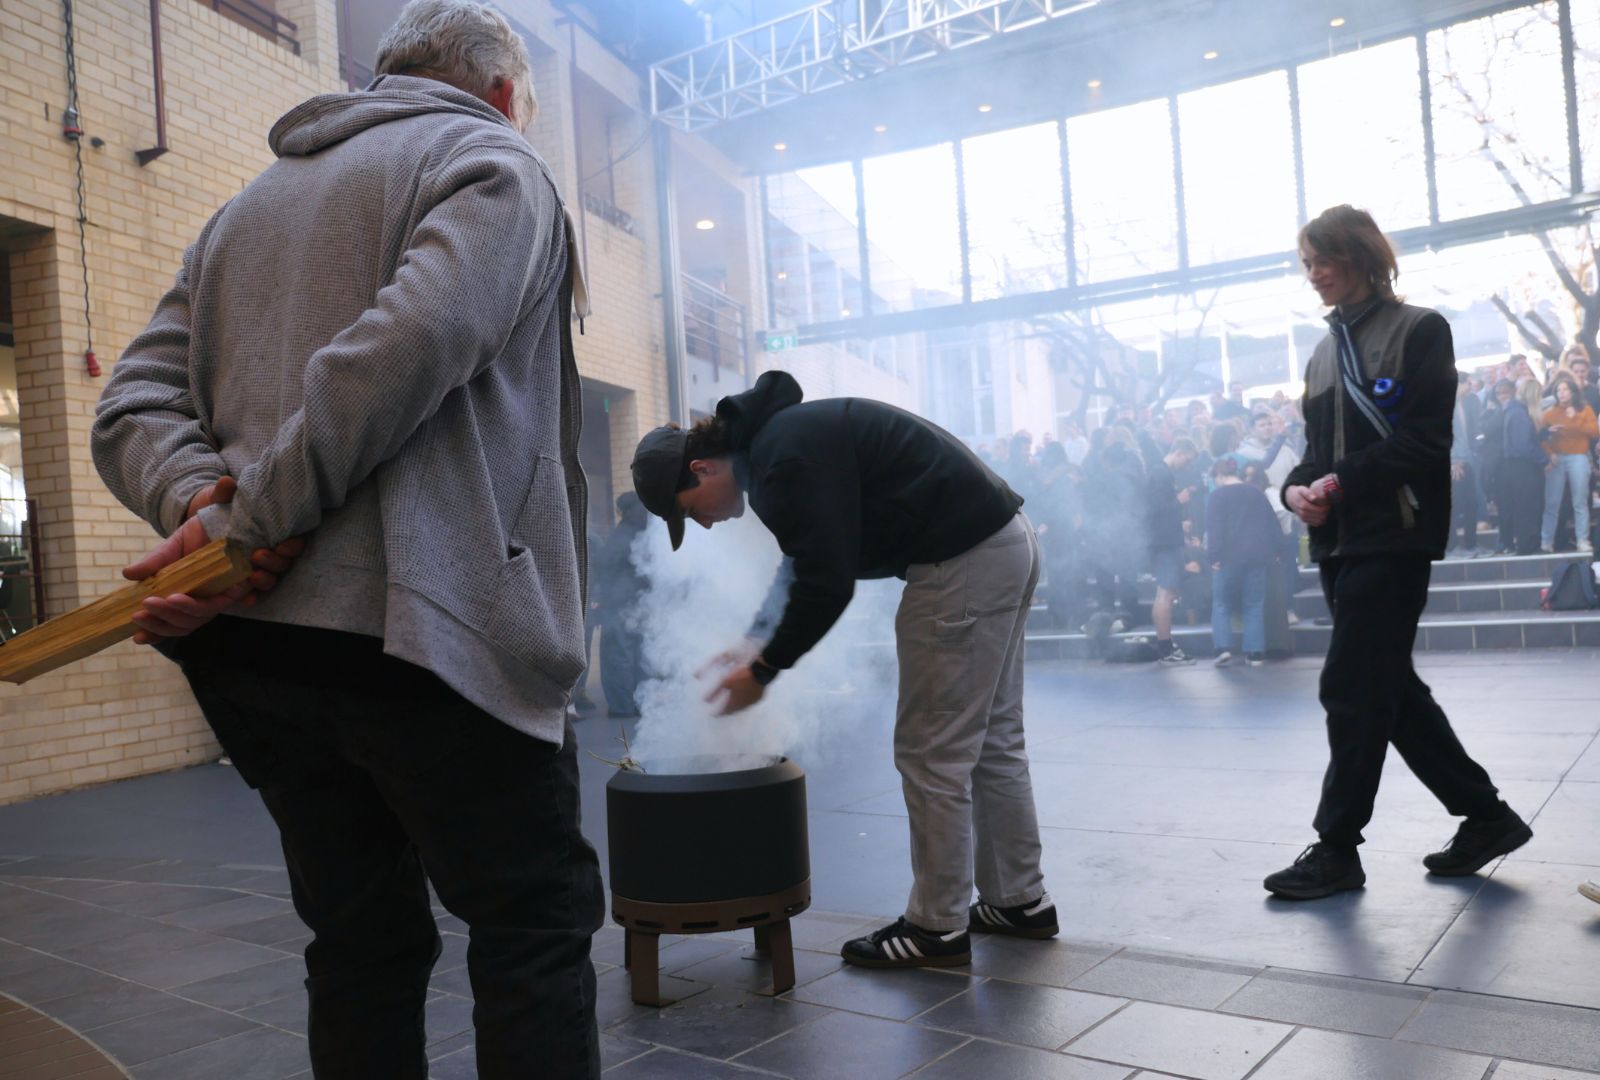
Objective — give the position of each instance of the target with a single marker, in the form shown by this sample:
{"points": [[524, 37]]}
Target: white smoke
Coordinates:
{"points": [[700, 601]]}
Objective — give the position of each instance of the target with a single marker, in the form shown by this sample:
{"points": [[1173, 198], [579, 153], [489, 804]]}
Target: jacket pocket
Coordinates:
{"points": [[538, 612]]}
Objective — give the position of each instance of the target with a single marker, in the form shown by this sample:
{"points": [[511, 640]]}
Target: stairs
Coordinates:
{"points": [[1485, 603]]}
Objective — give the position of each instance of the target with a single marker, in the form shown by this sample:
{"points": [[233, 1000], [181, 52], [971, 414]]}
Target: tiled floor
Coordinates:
{"points": [[152, 917]]}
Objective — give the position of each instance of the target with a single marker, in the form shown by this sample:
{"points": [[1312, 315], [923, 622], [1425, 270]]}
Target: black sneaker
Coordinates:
{"points": [[1478, 843], [1255, 659], [1035, 920], [902, 944], [1175, 657], [1321, 870]]}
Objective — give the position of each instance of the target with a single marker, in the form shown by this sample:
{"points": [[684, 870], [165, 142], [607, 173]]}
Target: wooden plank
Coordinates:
{"points": [[59, 641]]}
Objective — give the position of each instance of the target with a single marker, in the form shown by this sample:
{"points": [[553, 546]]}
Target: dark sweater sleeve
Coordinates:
{"points": [[1420, 443], [815, 512]]}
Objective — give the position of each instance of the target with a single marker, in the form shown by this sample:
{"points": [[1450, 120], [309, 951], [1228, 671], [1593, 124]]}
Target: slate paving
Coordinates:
{"points": [[148, 920]]}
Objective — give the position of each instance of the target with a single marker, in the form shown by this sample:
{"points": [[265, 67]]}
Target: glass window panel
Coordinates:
{"points": [[1238, 168], [1499, 112], [913, 229], [1586, 36], [812, 244], [1016, 237], [1124, 213], [1361, 132]]}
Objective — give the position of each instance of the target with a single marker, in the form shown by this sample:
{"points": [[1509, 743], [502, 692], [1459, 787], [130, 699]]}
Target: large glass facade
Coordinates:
{"points": [[1498, 140], [1124, 199], [1016, 233], [1361, 128], [1238, 168], [1586, 38], [914, 225]]}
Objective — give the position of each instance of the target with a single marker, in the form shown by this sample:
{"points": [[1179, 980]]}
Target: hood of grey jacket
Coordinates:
{"points": [[329, 119]]}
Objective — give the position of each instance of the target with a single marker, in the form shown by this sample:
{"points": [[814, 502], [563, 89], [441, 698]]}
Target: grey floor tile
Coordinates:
{"points": [[671, 1065], [895, 995], [1338, 1056], [272, 930], [844, 1046], [149, 900], [217, 917], [456, 981], [180, 1026], [288, 1013], [1041, 1016], [614, 1049], [998, 1061], [614, 996], [1171, 980], [181, 966], [96, 1008], [51, 978], [747, 971], [825, 931], [1208, 1046], [719, 1023], [452, 951], [238, 990], [447, 1016], [689, 952], [1525, 1030], [454, 1044], [1327, 1001], [1049, 963], [1516, 1070], [1526, 934], [256, 1055], [461, 1065]]}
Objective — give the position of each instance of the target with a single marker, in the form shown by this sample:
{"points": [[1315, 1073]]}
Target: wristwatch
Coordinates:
{"points": [[762, 672]]}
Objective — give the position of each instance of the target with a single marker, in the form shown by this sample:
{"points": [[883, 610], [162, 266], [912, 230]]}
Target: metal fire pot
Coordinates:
{"points": [[700, 846]]}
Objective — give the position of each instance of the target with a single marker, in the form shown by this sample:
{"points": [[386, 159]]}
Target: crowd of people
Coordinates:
{"points": [[1190, 495]]}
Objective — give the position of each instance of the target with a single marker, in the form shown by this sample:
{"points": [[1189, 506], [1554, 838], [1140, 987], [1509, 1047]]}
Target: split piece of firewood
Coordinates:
{"points": [[59, 641]]}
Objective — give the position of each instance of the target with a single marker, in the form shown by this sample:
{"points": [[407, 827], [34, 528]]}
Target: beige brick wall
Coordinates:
{"points": [[126, 712]]}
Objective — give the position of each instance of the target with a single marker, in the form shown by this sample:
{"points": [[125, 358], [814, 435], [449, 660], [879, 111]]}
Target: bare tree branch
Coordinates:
{"points": [[1539, 345]]}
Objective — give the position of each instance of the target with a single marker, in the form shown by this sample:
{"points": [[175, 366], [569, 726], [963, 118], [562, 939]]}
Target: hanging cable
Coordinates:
{"points": [[71, 130]]}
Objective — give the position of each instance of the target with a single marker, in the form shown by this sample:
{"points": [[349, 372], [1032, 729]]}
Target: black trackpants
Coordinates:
{"points": [[1373, 697], [381, 779], [1521, 501]]}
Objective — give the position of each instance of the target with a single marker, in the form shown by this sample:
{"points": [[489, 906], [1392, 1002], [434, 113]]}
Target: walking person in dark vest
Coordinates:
{"points": [[854, 489], [1374, 488]]}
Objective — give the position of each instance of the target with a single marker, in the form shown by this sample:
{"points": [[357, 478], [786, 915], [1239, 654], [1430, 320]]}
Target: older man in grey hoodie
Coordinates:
{"points": [[370, 345]]}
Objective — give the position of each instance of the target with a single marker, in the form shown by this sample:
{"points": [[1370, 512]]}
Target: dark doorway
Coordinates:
{"points": [[594, 453]]}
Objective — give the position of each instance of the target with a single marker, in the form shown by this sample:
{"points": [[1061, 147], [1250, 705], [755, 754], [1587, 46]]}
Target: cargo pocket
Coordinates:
{"points": [[953, 660]]}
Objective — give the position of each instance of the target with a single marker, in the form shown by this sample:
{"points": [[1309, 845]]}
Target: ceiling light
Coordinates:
{"points": [[880, 128], [985, 108], [705, 224], [1210, 55], [1094, 84], [780, 146], [1336, 22], [844, 312], [783, 275]]}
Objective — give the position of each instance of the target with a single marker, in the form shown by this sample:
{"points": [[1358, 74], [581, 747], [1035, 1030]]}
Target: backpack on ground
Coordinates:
{"points": [[1114, 650], [1572, 589]]}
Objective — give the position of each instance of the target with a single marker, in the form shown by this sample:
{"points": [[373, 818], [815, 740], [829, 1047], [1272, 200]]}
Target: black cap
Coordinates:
{"points": [[657, 466]]}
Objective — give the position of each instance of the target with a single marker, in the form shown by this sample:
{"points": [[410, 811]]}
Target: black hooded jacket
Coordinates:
{"points": [[853, 489]]}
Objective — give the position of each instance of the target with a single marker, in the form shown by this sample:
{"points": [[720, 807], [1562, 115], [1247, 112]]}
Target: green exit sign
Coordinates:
{"points": [[779, 340]]}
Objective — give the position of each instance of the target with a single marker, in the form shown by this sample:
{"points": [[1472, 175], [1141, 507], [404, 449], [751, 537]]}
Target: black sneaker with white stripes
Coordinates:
{"points": [[902, 944], [1035, 920]]}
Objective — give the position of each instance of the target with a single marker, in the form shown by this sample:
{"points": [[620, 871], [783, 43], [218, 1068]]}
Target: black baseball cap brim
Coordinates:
{"points": [[657, 467]]}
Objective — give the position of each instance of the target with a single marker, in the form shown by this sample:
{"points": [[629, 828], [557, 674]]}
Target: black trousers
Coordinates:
{"points": [[1521, 501], [1373, 697], [1464, 510], [381, 779]]}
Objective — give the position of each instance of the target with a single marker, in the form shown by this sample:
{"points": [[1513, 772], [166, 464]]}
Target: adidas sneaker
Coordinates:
{"points": [[902, 944], [1035, 920]]}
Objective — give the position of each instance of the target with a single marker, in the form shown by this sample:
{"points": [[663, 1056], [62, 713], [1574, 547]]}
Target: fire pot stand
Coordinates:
{"points": [[701, 852]]}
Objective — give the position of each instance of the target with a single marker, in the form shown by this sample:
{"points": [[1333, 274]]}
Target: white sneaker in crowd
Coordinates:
{"points": [[1224, 658]]}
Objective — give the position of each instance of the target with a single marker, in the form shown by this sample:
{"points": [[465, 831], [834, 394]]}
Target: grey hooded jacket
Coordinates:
{"points": [[374, 339]]}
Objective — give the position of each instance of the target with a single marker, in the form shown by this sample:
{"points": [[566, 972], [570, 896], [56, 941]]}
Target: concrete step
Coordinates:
{"points": [[1451, 631], [1456, 571], [1477, 596]]}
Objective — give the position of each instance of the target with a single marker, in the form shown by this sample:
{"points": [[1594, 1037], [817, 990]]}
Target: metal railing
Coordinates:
{"points": [[714, 326], [21, 570], [259, 18], [828, 45]]}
